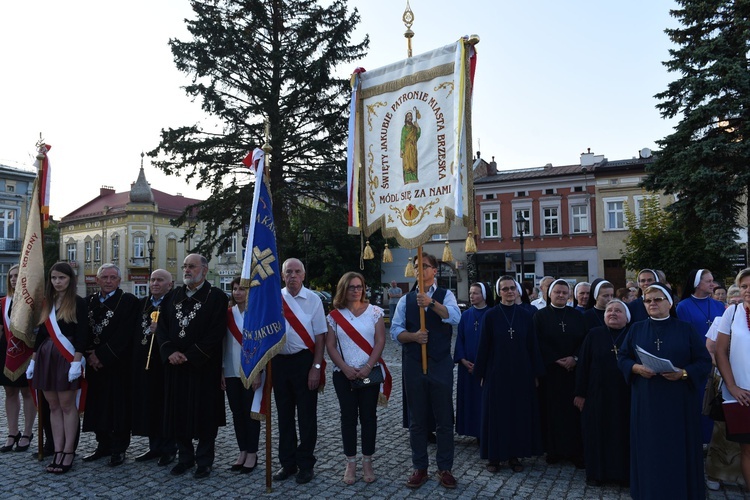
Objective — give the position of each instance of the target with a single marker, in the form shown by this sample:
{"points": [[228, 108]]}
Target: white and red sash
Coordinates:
{"points": [[357, 338], [235, 325], [292, 312], [17, 353], [67, 351]]}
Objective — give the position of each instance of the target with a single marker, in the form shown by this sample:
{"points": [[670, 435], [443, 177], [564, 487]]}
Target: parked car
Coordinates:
{"points": [[326, 298]]}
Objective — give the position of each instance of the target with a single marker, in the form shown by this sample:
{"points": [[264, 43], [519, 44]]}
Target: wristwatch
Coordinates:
{"points": [[316, 366], [432, 304]]}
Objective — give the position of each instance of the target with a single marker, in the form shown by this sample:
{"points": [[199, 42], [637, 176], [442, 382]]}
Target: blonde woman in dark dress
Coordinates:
{"points": [[56, 367]]}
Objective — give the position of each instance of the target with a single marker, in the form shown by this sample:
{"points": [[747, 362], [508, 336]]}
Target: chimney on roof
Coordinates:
{"points": [[493, 167], [106, 190], [589, 159]]}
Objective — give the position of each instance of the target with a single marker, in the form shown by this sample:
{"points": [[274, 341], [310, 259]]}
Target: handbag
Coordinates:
{"points": [[713, 399], [374, 379]]}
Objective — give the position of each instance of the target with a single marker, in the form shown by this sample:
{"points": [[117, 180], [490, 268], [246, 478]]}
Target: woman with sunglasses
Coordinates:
{"points": [[666, 456]]}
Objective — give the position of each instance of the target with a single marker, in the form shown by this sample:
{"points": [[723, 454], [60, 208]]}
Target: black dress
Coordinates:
{"points": [[606, 413], [560, 333]]}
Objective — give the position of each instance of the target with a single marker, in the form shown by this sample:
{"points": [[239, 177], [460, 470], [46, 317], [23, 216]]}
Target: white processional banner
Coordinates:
{"points": [[409, 146]]}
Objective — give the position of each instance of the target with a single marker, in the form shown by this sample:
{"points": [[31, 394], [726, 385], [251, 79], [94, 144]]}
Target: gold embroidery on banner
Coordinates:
{"points": [[372, 180], [413, 215], [371, 111], [446, 85], [407, 81]]}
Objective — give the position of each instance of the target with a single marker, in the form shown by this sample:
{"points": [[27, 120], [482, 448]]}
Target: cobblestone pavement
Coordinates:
{"points": [[23, 477]]}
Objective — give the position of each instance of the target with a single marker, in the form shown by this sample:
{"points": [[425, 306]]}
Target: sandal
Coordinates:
{"points": [[54, 464], [515, 465], [368, 477], [351, 470], [493, 467], [24, 448], [62, 468], [9, 447]]}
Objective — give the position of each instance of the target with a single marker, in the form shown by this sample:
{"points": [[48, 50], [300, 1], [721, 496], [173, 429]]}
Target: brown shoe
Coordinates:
{"points": [[418, 478], [446, 479]]}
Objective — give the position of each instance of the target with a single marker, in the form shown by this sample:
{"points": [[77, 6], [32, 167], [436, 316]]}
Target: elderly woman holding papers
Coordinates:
{"points": [[666, 455]]}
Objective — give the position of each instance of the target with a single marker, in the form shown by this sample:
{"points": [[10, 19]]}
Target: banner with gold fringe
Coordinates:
{"points": [[410, 145], [264, 331]]}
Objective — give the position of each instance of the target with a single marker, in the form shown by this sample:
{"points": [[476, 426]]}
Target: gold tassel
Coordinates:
{"points": [[409, 271], [471, 245], [368, 255], [447, 254], [387, 255]]}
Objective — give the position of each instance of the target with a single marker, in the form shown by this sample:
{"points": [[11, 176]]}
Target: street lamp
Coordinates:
{"points": [[150, 244], [306, 235], [521, 228]]}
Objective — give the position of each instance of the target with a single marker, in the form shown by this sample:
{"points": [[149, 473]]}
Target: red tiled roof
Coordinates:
{"points": [[169, 205]]}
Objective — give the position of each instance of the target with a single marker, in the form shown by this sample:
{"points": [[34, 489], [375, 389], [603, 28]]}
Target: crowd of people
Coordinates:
{"points": [[584, 373]]}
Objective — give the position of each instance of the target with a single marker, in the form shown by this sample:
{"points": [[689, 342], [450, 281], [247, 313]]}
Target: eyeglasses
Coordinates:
{"points": [[508, 289], [191, 266], [355, 288], [658, 300], [425, 266]]}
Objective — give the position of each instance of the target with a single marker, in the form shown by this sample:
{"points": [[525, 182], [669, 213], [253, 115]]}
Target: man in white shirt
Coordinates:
{"points": [[298, 372], [544, 284]]}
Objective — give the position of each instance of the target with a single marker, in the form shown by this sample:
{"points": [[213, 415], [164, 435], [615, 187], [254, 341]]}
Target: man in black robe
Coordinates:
{"points": [[113, 316], [148, 374], [560, 331], [190, 330]]}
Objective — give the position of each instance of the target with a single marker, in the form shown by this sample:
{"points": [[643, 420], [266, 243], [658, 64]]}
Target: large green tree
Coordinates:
{"points": [[704, 162], [252, 60]]}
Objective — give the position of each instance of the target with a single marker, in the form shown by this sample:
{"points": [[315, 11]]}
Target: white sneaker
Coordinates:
{"points": [[713, 485]]}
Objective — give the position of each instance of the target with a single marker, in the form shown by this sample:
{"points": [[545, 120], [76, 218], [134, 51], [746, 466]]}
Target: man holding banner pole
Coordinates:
{"points": [[431, 392]]}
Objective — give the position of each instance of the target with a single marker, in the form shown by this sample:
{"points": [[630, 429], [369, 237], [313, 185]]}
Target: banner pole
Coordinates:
{"points": [[420, 281], [41, 400], [267, 397]]}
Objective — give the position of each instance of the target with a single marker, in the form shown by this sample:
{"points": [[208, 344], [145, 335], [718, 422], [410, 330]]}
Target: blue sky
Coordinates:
{"points": [[553, 79]]}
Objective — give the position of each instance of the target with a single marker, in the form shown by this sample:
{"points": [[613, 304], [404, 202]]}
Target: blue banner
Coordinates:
{"points": [[263, 333]]}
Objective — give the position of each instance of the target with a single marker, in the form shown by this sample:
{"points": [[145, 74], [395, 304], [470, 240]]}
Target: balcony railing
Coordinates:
{"points": [[8, 245]]}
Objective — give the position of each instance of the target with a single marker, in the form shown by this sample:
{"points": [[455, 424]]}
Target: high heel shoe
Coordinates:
{"points": [[350, 475], [24, 448], [54, 464], [368, 477], [10, 446], [247, 470], [63, 468]]}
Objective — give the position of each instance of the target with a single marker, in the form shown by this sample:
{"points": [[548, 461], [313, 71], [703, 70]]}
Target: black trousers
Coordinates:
{"points": [[362, 405], [202, 455], [291, 393], [430, 394], [246, 429]]}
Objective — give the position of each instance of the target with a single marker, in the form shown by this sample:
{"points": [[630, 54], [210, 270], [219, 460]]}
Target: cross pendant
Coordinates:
{"points": [[614, 350], [562, 324], [476, 324], [658, 343], [709, 322], [510, 331]]}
